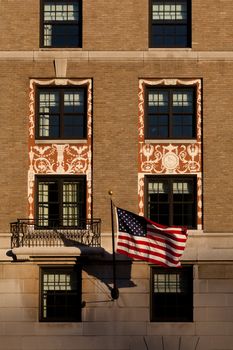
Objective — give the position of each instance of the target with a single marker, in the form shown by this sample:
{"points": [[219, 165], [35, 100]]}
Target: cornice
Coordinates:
{"points": [[140, 56]]}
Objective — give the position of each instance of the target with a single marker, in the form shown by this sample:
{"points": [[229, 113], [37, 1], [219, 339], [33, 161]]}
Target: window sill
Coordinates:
{"points": [[170, 49], [57, 141], [60, 48], [158, 141]]}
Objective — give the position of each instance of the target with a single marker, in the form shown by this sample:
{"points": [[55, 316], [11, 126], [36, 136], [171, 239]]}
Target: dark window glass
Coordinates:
{"points": [[60, 294], [61, 23], [172, 200], [170, 113], [61, 113], [170, 23], [172, 294], [60, 201]]}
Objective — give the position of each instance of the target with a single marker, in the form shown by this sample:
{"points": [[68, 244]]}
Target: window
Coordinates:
{"points": [[170, 23], [61, 201], [172, 294], [61, 23], [172, 200], [61, 113], [170, 113], [60, 295]]}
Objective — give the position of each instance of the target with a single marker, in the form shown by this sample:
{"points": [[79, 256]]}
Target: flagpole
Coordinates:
{"points": [[114, 290]]}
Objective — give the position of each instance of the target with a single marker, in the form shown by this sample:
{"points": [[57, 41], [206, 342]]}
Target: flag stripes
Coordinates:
{"points": [[140, 238]]}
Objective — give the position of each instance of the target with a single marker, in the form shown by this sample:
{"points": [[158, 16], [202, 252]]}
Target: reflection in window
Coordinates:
{"points": [[61, 113], [172, 200], [60, 294], [172, 294], [170, 113], [61, 23], [61, 201], [170, 23]]}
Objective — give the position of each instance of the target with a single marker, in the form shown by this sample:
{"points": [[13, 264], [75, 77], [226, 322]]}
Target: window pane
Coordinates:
{"points": [[70, 205], [172, 295], [61, 202], [73, 126], [157, 187], [158, 205], [59, 11], [48, 102], [182, 187], [74, 102], [157, 101], [62, 113], [48, 120], [47, 35], [182, 102], [65, 35], [171, 201], [169, 11], [61, 24], [60, 294], [157, 126], [48, 203], [182, 126], [170, 23], [167, 283], [181, 30], [170, 112]]}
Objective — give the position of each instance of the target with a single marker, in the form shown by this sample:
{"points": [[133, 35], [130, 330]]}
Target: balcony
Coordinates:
{"points": [[29, 233]]}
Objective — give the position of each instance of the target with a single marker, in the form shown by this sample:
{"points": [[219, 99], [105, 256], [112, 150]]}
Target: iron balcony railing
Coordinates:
{"points": [[28, 233]]}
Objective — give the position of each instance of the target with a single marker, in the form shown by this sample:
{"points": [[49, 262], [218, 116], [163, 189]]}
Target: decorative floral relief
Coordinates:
{"points": [[170, 159], [59, 158]]}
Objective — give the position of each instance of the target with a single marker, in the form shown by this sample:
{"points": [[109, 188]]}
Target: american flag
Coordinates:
{"points": [[143, 239]]}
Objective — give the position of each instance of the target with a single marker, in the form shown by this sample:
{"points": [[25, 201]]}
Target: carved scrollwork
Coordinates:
{"points": [[169, 158], [59, 158]]}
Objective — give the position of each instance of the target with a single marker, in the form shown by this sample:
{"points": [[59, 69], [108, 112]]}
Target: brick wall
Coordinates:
{"points": [[121, 25]]}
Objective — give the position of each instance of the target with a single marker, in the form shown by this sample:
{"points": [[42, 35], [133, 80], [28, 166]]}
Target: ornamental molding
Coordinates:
{"points": [[174, 157], [59, 158]]}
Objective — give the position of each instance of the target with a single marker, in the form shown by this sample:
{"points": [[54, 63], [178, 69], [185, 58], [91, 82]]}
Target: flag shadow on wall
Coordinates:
{"points": [[99, 268]]}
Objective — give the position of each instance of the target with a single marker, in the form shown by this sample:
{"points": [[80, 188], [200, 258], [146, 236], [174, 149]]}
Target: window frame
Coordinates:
{"points": [[185, 299], [61, 90], [60, 179], [43, 22], [73, 270], [171, 90], [171, 179], [188, 25]]}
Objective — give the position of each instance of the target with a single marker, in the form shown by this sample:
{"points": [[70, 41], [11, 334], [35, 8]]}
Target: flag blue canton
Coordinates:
{"points": [[130, 223]]}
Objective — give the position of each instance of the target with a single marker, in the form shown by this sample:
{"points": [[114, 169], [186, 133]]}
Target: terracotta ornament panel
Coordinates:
{"points": [[59, 158], [170, 156]]}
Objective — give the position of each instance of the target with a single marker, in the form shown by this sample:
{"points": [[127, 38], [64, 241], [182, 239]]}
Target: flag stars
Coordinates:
{"points": [[130, 223]]}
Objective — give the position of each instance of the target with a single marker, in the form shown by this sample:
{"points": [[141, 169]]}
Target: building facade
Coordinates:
{"points": [[127, 97]]}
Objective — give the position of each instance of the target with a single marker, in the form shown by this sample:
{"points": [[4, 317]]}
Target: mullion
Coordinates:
{"points": [[68, 22], [170, 199], [60, 196], [69, 203], [61, 109], [182, 113], [170, 114]]}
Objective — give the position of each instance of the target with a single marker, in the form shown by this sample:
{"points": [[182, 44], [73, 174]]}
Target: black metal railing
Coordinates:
{"points": [[32, 233]]}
